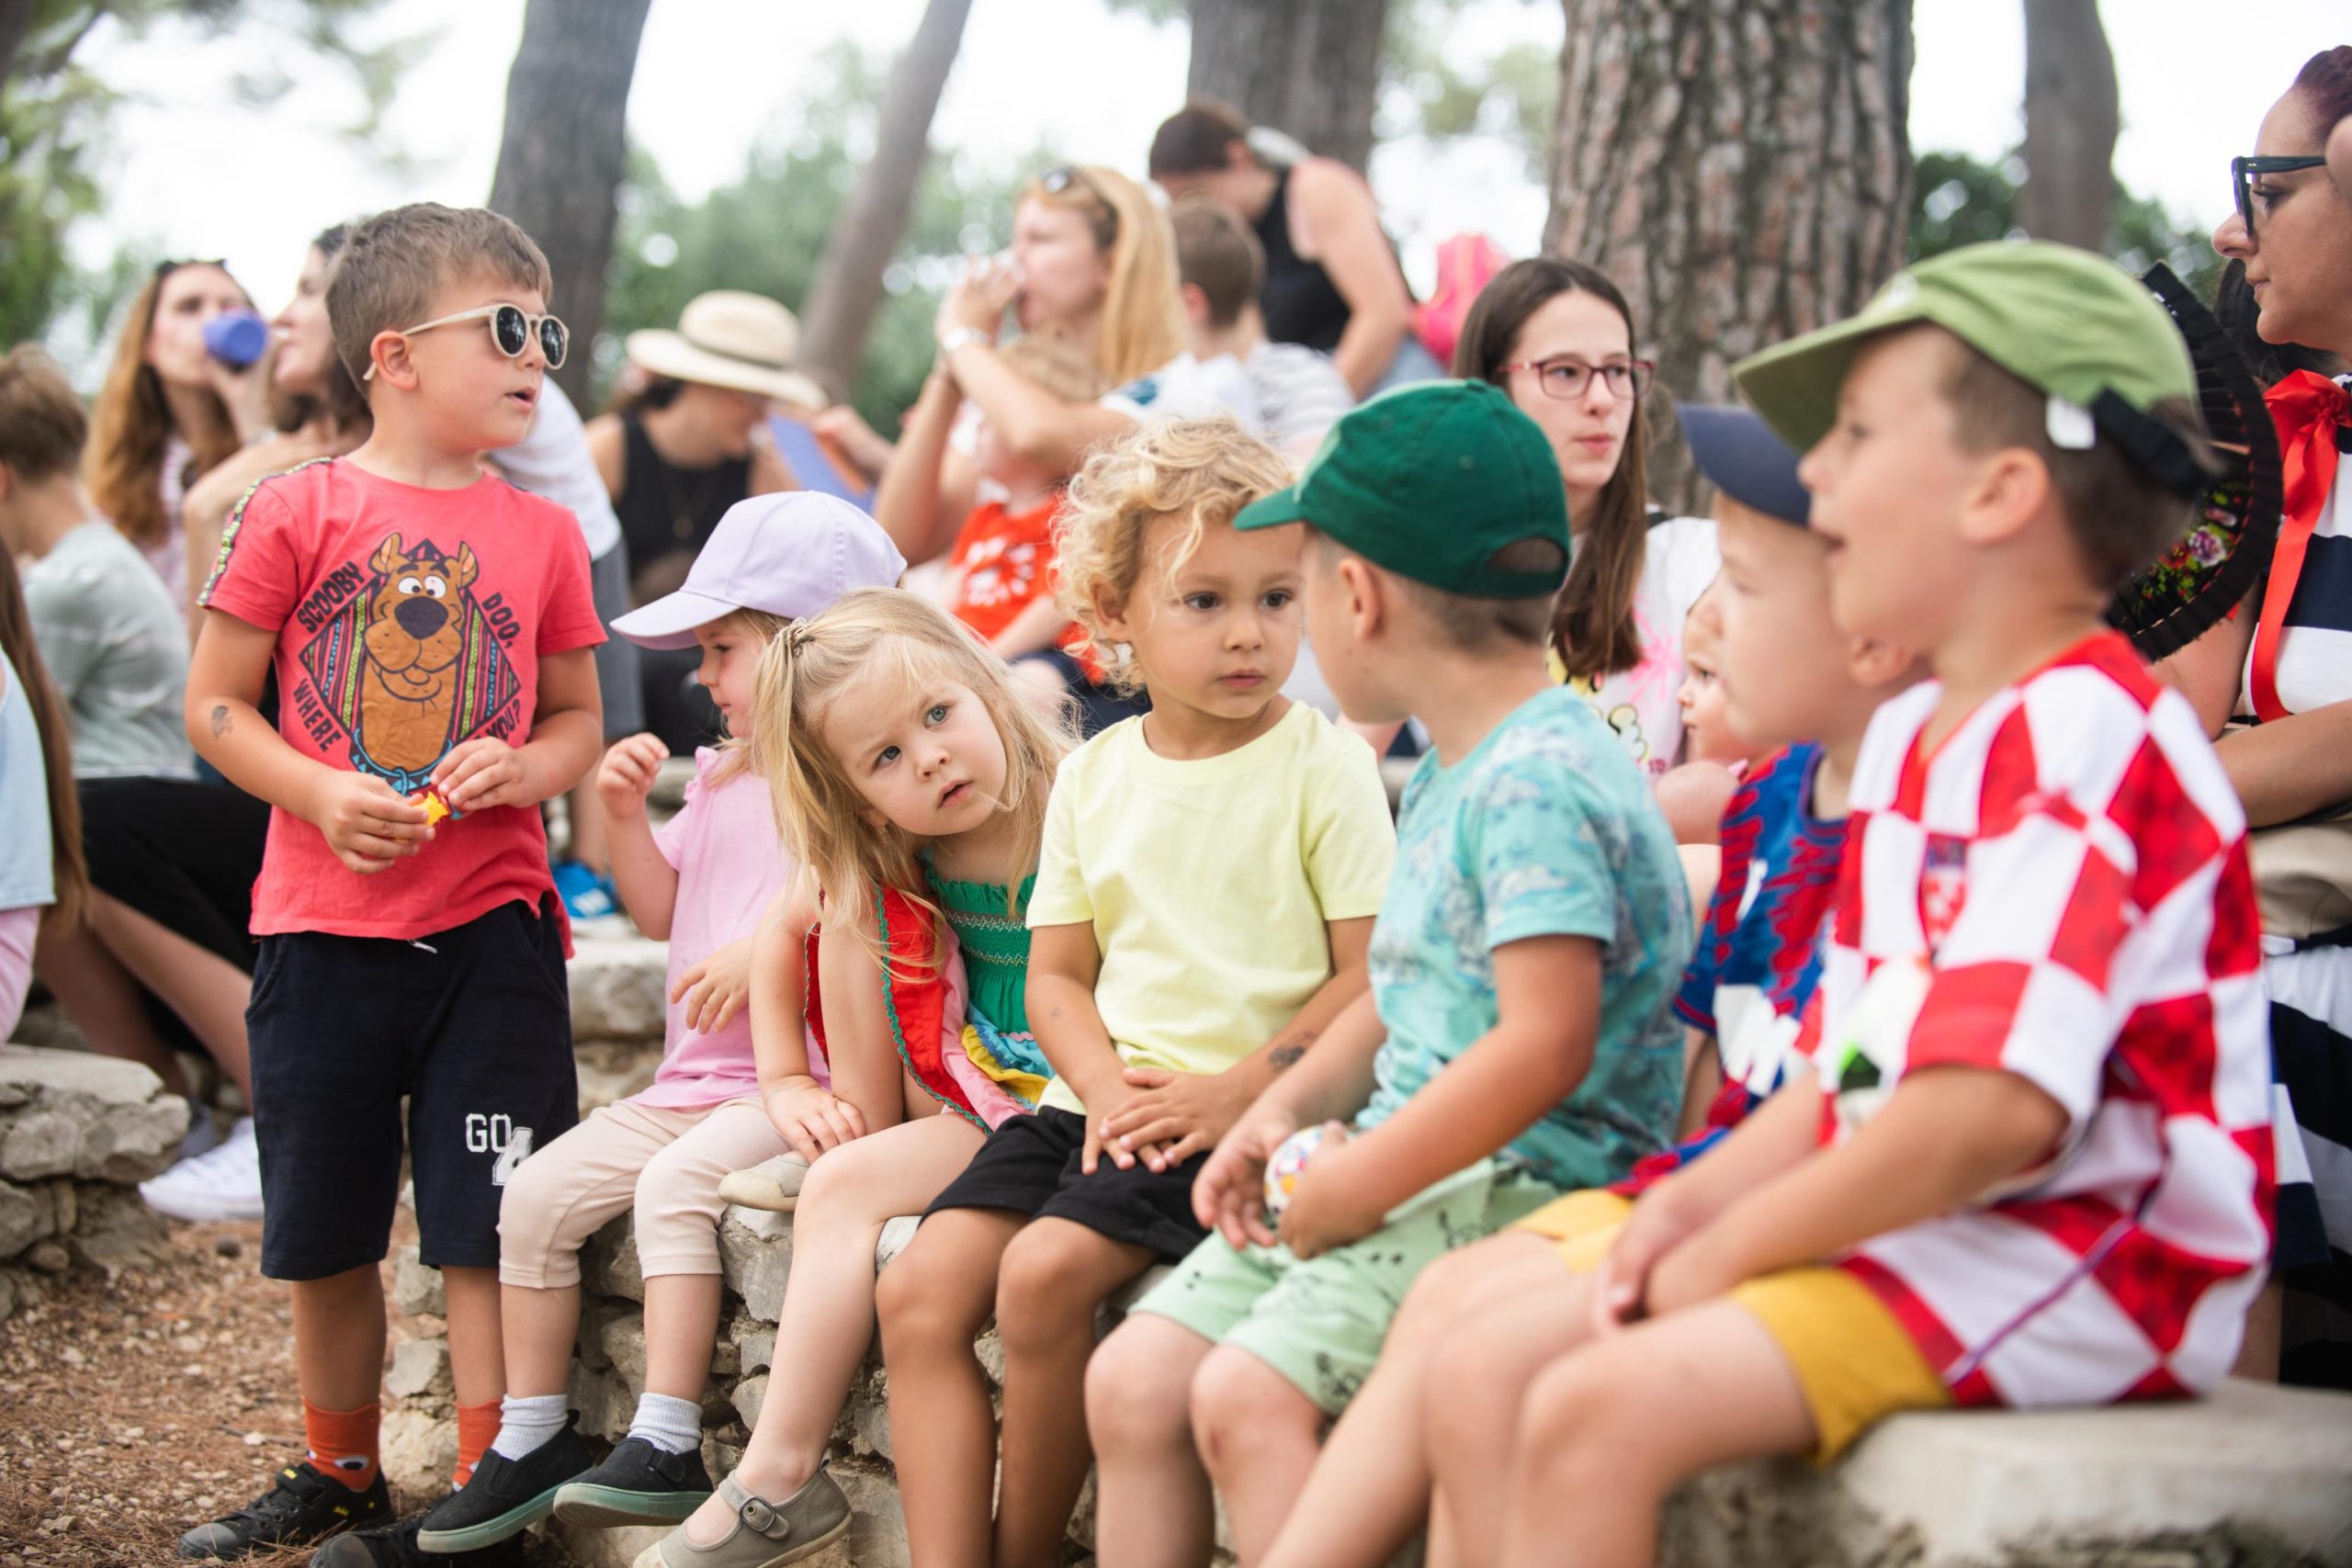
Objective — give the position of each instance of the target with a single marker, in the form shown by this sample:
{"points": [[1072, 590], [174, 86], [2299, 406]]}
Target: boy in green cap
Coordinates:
{"points": [[1516, 1040], [2031, 1165]]}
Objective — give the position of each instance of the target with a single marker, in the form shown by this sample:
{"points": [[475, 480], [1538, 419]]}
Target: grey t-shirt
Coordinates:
{"points": [[117, 648]]}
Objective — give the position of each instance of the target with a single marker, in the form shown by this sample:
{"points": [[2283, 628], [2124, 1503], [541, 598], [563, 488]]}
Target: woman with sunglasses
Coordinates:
{"points": [[1332, 282], [1559, 338], [170, 411], [2282, 667]]}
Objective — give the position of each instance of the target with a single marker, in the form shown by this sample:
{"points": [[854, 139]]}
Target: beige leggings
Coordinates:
{"points": [[667, 1163]]}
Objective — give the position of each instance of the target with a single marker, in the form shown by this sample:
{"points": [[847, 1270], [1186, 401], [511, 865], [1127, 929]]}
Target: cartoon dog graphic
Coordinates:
{"points": [[411, 666]]}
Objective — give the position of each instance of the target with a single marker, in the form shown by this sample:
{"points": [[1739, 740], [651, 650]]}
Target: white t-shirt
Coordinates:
{"points": [[552, 460], [1639, 704], [1190, 387]]}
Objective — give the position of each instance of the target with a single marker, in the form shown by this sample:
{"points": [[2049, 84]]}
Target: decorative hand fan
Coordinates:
{"points": [[2227, 548]]}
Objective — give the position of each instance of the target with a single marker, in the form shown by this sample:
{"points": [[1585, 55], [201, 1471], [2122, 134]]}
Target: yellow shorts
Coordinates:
{"points": [[1852, 1360]]}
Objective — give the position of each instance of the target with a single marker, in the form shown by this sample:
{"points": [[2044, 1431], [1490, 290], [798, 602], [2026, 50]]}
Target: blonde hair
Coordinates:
{"points": [[1143, 312], [1200, 471], [820, 814], [390, 266]]}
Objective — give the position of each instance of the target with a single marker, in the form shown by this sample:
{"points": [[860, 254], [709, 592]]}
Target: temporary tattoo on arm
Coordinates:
{"points": [[1287, 1056], [220, 720]]}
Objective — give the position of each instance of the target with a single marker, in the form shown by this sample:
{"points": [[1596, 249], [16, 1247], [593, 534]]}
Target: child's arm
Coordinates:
{"points": [[801, 1109], [1034, 629], [1063, 964], [909, 503], [1331, 1080], [364, 821], [1547, 1018], [1178, 1115], [1945, 1136], [567, 731], [645, 879]]}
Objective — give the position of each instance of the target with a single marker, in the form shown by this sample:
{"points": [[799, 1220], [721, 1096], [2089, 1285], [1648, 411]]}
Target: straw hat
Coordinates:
{"points": [[728, 338]]}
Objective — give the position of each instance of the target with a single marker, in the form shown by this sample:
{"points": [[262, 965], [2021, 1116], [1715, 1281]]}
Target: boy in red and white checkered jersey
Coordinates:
{"points": [[2032, 1165]]}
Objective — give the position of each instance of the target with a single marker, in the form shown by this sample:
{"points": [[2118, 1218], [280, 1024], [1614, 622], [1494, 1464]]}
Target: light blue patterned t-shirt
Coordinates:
{"points": [[1547, 829]]}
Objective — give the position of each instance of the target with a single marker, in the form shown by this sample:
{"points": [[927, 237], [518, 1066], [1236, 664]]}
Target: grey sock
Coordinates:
{"points": [[668, 1423], [527, 1422]]}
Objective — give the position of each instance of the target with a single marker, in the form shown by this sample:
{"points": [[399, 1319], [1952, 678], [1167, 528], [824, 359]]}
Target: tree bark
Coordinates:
{"points": [[16, 23], [1740, 168], [2070, 119], [838, 313], [1309, 68], [560, 157]]}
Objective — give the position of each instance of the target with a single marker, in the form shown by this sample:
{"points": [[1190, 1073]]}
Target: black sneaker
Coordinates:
{"points": [[394, 1546], [505, 1496], [638, 1483], [303, 1505]]}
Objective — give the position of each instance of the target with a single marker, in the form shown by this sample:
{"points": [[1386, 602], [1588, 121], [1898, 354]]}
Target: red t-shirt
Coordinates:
{"points": [[410, 620], [1003, 562]]}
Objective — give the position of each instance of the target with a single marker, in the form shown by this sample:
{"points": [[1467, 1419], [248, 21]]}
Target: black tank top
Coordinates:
{"points": [[666, 510], [1299, 302]]}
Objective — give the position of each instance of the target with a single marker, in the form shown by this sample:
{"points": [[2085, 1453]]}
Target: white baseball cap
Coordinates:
{"points": [[790, 554]]}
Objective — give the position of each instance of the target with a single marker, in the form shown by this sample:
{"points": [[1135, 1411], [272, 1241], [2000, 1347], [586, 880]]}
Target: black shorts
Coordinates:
{"points": [[183, 853], [472, 1026], [1030, 1165]]}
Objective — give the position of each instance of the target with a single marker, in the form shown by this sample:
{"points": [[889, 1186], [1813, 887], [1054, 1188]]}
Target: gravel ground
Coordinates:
{"points": [[133, 1409]]}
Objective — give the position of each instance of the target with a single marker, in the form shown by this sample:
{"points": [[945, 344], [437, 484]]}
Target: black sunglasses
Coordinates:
{"points": [[2243, 170], [1061, 178]]}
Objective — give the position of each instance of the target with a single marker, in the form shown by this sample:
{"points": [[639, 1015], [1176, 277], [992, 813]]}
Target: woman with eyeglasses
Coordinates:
{"points": [[170, 411], [2278, 675], [1559, 338], [1332, 282]]}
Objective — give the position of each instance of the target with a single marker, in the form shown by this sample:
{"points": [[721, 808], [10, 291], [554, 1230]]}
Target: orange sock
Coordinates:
{"points": [[477, 1425], [343, 1442]]}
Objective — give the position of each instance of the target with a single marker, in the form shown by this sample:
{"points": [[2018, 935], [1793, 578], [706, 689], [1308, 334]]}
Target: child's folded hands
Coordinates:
{"points": [[1622, 1291], [810, 1118], [1173, 1116], [717, 988]]}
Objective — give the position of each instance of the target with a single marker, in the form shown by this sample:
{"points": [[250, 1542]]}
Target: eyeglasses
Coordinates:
{"points": [[2243, 170], [511, 330], [1568, 380], [1059, 178]]}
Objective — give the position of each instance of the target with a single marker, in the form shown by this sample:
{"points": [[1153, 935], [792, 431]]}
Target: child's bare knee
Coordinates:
{"points": [[921, 1305], [1239, 1403], [1042, 1291], [1582, 1413], [1138, 1386]]}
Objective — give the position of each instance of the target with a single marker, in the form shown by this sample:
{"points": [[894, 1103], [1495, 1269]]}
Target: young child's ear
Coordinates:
{"points": [[388, 352], [1111, 616], [2010, 489], [1367, 597], [1196, 304], [1874, 665]]}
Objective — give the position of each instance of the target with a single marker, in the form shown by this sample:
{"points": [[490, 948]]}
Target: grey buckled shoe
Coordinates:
{"points": [[765, 1534], [773, 1184]]}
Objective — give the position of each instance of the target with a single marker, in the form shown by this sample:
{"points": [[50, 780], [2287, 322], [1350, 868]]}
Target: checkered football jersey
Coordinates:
{"points": [[2060, 889]]}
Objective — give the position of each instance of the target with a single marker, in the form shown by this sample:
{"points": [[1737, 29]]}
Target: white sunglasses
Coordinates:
{"points": [[511, 331]]}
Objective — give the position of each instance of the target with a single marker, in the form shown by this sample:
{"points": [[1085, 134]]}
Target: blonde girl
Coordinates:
{"points": [[701, 882], [912, 784]]}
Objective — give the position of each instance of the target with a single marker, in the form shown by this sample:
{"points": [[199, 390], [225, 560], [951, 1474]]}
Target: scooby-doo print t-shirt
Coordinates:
{"points": [[408, 621]]}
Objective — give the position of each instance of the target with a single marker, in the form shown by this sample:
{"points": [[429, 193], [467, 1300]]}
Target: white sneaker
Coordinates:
{"points": [[224, 1184], [773, 1184]]}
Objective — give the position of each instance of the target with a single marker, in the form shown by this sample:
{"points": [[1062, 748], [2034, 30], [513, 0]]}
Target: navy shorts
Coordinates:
{"points": [[471, 1026], [1029, 1165]]}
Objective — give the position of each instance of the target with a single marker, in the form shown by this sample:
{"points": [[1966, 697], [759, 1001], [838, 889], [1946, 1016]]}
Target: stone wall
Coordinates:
{"points": [[78, 1132]]}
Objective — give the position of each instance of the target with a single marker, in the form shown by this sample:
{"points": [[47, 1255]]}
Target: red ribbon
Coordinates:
{"points": [[2307, 408]]}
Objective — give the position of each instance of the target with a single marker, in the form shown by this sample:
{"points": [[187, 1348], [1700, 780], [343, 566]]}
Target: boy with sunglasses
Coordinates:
{"points": [[430, 629]]}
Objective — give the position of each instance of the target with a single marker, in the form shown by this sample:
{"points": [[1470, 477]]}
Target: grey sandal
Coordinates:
{"points": [[765, 1534]]}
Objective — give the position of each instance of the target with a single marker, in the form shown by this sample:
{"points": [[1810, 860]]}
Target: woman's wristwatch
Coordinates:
{"points": [[959, 337]]}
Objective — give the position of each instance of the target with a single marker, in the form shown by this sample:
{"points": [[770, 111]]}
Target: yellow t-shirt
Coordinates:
{"points": [[1208, 883]]}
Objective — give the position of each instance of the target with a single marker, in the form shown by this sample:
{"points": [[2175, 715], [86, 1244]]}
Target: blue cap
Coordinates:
{"points": [[1741, 456]]}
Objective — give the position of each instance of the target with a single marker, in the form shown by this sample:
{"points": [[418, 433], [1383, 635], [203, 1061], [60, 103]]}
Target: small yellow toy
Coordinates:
{"points": [[435, 807]]}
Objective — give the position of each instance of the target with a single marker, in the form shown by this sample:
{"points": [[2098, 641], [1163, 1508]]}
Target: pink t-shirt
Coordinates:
{"points": [[409, 620], [729, 866]]}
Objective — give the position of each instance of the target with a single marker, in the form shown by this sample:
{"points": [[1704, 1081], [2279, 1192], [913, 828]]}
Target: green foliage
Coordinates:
{"points": [[765, 231], [1514, 93], [1960, 200], [53, 114]]}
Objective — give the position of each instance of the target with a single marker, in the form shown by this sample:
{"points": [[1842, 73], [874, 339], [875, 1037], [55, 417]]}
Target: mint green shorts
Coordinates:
{"points": [[1319, 1322]]}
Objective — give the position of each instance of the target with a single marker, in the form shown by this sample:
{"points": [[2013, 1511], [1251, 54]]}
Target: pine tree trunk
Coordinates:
{"points": [[559, 158], [838, 313], [2071, 120], [1309, 68], [16, 24], [1742, 170]]}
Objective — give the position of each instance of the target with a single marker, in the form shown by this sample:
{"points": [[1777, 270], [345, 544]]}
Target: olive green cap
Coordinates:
{"points": [[1433, 481], [2063, 321]]}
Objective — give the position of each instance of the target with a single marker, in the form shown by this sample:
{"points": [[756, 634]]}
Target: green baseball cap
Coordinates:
{"points": [[1432, 481], [2063, 321]]}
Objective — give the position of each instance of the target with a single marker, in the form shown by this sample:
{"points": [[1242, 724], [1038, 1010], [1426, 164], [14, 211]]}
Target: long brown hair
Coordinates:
{"points": [[1143, 310], [69, 874], [1592, 621], [131, 424]]}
